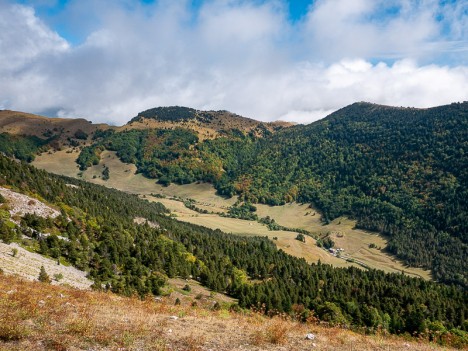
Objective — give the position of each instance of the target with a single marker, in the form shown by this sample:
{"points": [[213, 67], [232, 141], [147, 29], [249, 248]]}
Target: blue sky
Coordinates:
{"points": [[267, 59], [52, 12]]}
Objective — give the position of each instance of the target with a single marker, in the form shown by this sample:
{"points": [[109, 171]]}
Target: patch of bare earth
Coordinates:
{"points": [[20, 204], [28, 264]]}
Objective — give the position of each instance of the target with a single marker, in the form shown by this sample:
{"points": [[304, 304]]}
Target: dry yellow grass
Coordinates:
{"points": [[59, 162], [219, 122], [355, 242], [37, 316], [22, 123]]}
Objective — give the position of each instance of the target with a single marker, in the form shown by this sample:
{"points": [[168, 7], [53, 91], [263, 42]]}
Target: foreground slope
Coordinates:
{"points": [[38, 316]]}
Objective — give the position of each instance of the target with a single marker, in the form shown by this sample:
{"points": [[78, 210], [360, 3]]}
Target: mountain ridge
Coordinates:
{"points": [[398, 171]]}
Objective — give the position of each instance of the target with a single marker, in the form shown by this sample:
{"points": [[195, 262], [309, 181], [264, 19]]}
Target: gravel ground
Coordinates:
{"points": [[27, 264], [20, 204]]}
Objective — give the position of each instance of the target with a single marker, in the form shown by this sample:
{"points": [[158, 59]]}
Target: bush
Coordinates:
{"points": [[79, 134], [300, 237], [11, 329], [330, 312], [277, 331], [43, 276]]}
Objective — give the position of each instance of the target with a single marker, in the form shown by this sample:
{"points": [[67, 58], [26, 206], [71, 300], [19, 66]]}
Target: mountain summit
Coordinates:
{"points": [[208, 124]]}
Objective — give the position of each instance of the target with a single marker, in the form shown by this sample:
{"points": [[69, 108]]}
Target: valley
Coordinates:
{"points": [[355, 242]]}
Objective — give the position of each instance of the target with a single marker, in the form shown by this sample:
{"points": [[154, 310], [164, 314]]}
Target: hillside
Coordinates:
{"points": [[59, 129], [38, 316], [398, 171], [103, 239], [198, 203], [16, 260]]}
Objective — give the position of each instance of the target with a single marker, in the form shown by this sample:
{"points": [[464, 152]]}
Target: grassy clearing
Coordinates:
{"points": [[36, 316], [58, 162], [354, 242]]}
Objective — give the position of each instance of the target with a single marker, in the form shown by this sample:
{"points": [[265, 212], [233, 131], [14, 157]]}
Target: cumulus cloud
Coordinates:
{"points": [[24, 37], [245, 57], [359, 28]]}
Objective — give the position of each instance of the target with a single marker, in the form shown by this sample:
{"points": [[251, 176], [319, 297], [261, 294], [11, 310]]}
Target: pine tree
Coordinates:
{"points": [[43, 276]]}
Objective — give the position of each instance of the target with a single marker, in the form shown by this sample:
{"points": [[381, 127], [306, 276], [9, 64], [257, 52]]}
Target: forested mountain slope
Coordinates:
{"points": [[403, 172], [400, 171], [127, 258]]}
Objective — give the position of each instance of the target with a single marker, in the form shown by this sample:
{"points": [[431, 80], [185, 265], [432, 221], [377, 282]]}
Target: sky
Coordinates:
{"points": [[107, 60]]}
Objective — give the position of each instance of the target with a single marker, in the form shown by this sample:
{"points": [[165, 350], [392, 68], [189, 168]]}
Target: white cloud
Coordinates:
{"points": [[357, 28], [24, 37], [240, 56]]}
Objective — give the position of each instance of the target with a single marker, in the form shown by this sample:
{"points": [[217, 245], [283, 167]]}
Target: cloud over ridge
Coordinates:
{"points": [[246, 57]]}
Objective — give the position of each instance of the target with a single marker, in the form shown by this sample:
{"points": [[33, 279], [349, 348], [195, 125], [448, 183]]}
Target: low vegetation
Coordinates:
{"points": [[36, 316]]}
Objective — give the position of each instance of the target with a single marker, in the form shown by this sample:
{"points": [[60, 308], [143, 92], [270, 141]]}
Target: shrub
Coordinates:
{"points": [[300, 237], [330, 312], [80, 134], [12, 330], [43, 276], [277, 331]]}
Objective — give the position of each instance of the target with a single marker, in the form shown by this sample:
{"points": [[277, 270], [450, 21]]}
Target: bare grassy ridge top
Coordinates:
{"points": [[38, 316], [208, 124], [21, 123]]}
